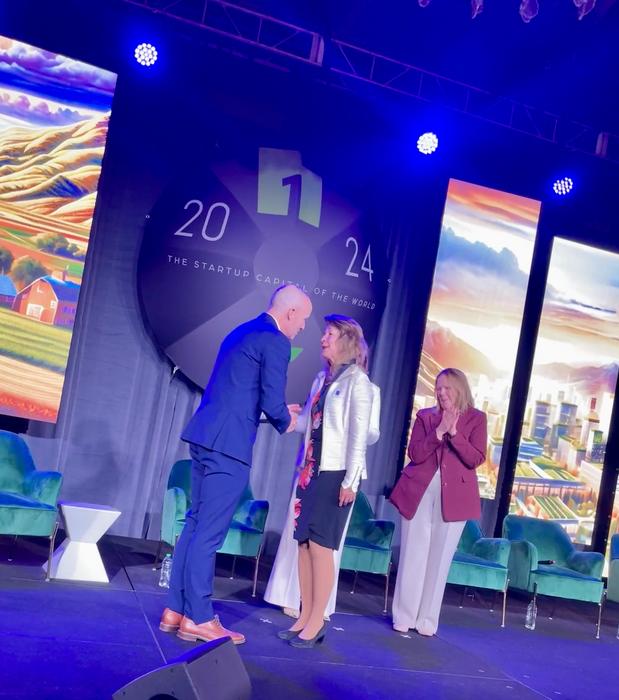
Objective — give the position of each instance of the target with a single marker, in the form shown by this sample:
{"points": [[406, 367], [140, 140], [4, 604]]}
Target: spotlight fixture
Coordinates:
{"points": [[563, 186], [427, 143], [145, 54]]}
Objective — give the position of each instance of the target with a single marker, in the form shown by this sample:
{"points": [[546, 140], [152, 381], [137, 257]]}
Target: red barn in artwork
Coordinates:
{"points": [[49, 299]]}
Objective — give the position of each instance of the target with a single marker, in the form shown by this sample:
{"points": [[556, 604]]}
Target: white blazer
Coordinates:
{"points": [[350, 422]]}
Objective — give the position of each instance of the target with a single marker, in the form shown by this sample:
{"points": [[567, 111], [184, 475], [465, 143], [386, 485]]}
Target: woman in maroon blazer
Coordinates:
{"points": [[447, 444]]}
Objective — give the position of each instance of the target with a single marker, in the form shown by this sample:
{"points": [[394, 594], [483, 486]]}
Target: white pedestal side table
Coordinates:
{"points": [[78, 557]]}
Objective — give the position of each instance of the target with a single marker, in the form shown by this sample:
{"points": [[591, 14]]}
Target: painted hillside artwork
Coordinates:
{"points": [[54, 117]]}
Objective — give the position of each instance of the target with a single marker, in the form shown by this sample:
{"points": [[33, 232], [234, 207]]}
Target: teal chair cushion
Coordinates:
{"points": [[476, 572], [572, 574], [14, 500], [28, 497], [244, 537], [561, 582], [479, 562]]}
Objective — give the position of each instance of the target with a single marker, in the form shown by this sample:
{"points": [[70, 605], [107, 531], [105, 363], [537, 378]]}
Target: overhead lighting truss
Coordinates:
{"points": [[352, 62]]}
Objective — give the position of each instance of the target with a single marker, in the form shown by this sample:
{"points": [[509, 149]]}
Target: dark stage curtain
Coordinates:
{"points": [[123, 407]]}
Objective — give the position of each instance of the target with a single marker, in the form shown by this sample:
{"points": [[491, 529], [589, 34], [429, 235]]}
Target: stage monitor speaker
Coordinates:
{"points": [[212, 671]]}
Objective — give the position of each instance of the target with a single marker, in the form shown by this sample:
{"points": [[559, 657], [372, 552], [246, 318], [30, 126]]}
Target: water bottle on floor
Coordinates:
{"points": [[531, 617], [166, 571]]}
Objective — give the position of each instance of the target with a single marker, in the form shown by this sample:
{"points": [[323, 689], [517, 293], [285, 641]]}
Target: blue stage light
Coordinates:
{"points": [[563, 186], [427, 143], [145, 54]]}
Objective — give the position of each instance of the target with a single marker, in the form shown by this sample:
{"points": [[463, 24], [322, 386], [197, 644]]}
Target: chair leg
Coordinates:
{"points": [[464, 590], [253, 592], [600, 606], [354, 583], [387, 588], [504, 603], [233, 565], [52, 541], [552, 610], [492, 604]]}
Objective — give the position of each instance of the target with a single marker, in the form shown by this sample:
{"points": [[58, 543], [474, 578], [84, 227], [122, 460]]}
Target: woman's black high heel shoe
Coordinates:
{"points": [[287, 634], [309, 643]]}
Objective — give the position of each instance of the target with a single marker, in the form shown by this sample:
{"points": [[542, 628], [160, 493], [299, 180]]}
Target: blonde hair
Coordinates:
{"points": [[458, 379], [351, 343]]}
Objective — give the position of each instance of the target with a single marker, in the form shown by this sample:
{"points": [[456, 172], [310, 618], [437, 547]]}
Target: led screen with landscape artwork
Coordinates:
{"points": [[478, 294], [571, 392], [54, 116]]}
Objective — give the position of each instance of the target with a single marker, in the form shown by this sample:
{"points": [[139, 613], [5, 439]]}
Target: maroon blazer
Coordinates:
{"points": [[458, 457]]}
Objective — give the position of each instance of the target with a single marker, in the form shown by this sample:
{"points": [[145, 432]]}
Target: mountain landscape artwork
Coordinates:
{"points": [[54, 118], [478, 294]]}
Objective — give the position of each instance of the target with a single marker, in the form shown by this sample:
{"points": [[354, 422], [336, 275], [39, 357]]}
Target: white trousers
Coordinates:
{"points": [[283, 586], [427, 546]]}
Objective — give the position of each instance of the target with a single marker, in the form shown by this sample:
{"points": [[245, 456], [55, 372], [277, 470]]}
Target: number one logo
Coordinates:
{"points": [[286, 187]]}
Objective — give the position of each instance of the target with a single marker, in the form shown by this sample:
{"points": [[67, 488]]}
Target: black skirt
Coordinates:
{"points": [[319, 517]]}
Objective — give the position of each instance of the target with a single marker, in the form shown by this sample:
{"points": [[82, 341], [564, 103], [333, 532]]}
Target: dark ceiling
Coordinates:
{"points": [[555, 62]]}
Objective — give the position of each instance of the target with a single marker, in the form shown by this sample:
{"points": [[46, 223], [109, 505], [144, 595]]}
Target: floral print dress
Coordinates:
{"points": [[311, 464]]}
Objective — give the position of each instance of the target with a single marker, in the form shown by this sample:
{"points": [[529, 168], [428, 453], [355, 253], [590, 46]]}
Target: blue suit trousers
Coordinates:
{"points": [[217, 483]]}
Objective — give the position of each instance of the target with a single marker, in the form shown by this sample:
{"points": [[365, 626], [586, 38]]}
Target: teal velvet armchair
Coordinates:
{"points": [[28, 497], [613, 570], [245, 535], [481, 562], [543, 561], [176, 501], [367, 547], [246, 532]]}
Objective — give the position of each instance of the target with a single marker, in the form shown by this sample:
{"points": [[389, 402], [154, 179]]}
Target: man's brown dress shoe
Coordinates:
{"points": [[170, 621], [207, 631]]}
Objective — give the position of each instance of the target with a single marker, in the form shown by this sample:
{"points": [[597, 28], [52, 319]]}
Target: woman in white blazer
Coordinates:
{"points": [[336, 419], [283, 585]]}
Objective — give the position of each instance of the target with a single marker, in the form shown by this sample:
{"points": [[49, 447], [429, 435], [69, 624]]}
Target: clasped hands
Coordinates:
{"points": [[294, 409], [449, 423]]}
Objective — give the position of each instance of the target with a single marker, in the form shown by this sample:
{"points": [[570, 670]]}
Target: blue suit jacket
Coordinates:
{"points": [[249, 377]]}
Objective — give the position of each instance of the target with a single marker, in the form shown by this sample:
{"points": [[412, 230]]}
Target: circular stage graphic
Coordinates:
{"points": [[220, 241]]}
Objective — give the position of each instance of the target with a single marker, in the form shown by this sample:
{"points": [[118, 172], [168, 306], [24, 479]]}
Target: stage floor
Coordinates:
{"points": [[84, 641]]}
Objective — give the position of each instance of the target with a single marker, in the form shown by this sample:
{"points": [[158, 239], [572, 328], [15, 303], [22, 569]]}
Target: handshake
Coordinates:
{"points": [[294, 409]]}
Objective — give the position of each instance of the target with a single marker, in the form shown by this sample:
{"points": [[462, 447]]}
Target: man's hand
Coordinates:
{"points": [[294, 409], [346, 496]]}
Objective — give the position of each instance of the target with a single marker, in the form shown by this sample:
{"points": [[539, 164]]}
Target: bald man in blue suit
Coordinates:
{"points": [[248, 379]]}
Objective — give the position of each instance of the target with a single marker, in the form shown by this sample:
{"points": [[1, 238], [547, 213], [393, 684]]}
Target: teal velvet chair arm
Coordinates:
{"points": [[522, 560], [588, 563], [379, 533], [173, 517], [252, 514], [494, 549], [43, 486]]}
